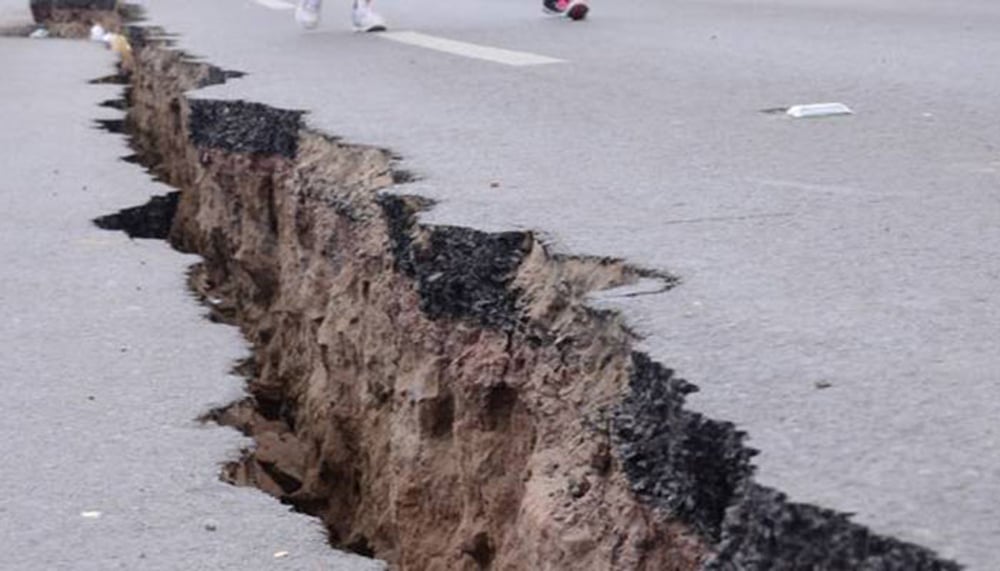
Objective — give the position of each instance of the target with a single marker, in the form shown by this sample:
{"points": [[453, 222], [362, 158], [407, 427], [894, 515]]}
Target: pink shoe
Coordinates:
{"points": [[572, 9]]}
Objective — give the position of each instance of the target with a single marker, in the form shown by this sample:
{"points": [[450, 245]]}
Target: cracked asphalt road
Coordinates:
{"points": [[839, 277], [107, 360]]}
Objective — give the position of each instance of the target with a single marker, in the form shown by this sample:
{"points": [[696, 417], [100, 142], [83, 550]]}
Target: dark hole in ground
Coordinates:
{"points": [[120, 104], [310, 506], [151, 220], [481, 550], [113, 79], [116, 126], [246, 367], [356, 543], [500, 402], [288, 484], [437, 416], [269, 408], [361, 546], [401, 176], [276, 409]]}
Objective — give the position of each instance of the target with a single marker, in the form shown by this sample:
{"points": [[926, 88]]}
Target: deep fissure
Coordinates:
{"points": [[443, 397]]}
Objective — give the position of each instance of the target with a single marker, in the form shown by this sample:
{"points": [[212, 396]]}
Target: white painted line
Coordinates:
{"points": [[276, 4], [819, 110], [475, 51]]}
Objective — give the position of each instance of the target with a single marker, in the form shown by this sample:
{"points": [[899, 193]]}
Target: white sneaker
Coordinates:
{"points": [[365, 19], [307, 13]]}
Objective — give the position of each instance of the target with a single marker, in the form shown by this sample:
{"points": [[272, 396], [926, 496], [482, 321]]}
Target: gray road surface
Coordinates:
{"points": [[855, 252], [106, 360], [858, 253]]}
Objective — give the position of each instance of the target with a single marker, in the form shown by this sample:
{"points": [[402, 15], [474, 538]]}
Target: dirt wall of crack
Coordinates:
{"points": [[441, 397], [74, 18], [397, 391]]}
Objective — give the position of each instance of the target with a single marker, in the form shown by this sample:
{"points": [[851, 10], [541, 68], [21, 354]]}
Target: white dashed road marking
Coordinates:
{"points": [[276, 4], [475, 51]]}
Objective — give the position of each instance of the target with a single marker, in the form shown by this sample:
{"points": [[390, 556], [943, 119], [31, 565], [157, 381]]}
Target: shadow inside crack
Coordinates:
{"points": [[151, 220]]}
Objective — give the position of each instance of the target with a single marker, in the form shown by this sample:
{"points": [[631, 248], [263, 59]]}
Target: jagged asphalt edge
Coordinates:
{"points": [[694, 468]]}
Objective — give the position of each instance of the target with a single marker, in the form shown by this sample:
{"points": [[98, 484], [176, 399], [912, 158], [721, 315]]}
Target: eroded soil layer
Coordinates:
{"points": [[74, 18], [442, 397]]}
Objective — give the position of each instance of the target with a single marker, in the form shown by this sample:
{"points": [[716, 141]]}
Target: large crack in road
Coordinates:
{"points": [[441, 397]]}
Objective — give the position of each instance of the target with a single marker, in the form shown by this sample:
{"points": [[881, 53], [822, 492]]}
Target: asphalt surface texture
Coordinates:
{"points": [[839, 293], [108, 361]]}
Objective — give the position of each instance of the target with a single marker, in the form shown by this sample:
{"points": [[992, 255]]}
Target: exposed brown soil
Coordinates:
{"points": [[448, 441], [441, 397], [76, 23]]}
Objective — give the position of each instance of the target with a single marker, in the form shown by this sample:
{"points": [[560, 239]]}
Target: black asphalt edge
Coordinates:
{"points": [[244, 127], [460, 272], [700, 470], [693, 468], [151, 220]]}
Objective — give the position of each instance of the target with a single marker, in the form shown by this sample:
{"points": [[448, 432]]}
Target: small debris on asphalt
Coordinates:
{"points": [[281, 554], [91, 514], [823, 384], [118, 43], [211, 525], [818, 110], [495, 184], [39, 34]]}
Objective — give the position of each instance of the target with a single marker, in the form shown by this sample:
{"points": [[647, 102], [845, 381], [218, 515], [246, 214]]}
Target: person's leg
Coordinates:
{"points": [[365, 19], [307, 13]]}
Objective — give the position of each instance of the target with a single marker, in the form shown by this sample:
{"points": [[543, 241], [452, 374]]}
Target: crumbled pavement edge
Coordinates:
{"points": [[689, 466]]}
